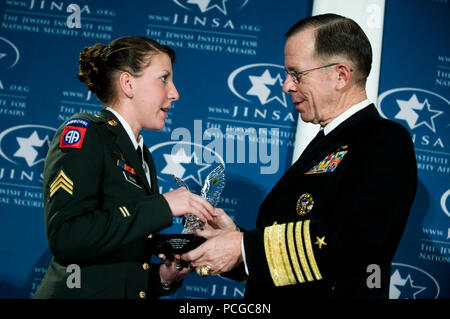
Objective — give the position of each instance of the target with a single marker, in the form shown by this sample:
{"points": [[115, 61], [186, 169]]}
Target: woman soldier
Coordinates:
{"points": [[101, 196]]}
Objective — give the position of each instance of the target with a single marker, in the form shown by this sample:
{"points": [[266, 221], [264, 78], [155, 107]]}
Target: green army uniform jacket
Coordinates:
{"points": [[99, 212]]}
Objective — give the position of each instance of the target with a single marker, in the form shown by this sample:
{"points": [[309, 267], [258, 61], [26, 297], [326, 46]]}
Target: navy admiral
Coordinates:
{"points": [[342, 206], [101, 196]]}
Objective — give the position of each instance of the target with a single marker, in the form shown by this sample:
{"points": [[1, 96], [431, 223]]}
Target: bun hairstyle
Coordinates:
{"points": [[101, 64]]}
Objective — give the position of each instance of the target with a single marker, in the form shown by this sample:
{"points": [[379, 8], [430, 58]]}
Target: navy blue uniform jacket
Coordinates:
{"points": [[358, 184]]}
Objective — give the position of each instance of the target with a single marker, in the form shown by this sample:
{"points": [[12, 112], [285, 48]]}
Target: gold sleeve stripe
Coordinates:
{"points": [[124, 211], [293, 253], [309, 250], [277, 255], [269, 255], [285, 255], [301, 252]]}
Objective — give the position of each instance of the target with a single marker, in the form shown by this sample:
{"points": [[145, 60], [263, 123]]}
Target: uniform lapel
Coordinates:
{"points": [[151, 164], [123, 142], [334, 139], [329, 144]]}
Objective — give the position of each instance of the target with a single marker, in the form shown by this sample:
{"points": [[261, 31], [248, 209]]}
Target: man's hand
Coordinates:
{"points": [[220, 221], [221, 252]]}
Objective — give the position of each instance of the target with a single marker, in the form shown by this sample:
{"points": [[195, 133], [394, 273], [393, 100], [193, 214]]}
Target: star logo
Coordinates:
{"points": [[184, 166], [9, 54], [405, 288], [32, 148], [416, 113], [207, 5], [261, 90]]}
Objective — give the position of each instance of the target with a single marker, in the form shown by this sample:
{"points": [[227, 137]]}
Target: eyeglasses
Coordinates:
{"points": [[297, 76]]}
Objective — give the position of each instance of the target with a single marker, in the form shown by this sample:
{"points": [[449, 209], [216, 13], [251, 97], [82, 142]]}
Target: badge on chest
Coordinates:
{"points": [[330, 162], [129, 173]]}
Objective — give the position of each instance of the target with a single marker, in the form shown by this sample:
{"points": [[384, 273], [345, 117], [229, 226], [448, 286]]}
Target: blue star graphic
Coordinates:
{"points": [[43, 150], [207, 5], [426, 116], [277, 87], [32, 149], [219, 4], [193, 171], [408, 290], [260, 87]]}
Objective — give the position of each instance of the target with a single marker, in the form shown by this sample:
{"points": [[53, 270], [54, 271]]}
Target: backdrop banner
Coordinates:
{"points": [[232, 111], [414, 91]]}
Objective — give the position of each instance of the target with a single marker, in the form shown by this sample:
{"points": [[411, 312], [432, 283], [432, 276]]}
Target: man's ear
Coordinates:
{"points": [[345, 74], [127, 84]]}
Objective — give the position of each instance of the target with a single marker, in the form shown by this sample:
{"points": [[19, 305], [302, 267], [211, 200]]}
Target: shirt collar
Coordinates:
{"points": [[343, 116], [128, 129]]}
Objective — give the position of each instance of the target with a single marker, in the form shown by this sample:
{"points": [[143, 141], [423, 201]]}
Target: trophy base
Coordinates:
{"points": [[169, 244]]}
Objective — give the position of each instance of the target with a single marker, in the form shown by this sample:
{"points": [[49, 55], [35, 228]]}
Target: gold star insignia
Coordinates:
{"points": [[320, 242]]}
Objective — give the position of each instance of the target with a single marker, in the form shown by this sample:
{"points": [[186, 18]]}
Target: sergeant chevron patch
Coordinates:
{"points": [[63, 182]]}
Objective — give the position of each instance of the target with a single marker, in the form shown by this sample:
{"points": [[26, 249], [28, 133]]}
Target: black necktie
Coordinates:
{"points": [[139, 153], [317, 139]]}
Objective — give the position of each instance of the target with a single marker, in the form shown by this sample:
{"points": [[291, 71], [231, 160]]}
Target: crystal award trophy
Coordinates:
{"points": [[170, 244]]}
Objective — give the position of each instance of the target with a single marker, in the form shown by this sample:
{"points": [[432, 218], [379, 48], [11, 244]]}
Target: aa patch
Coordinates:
{"points": [[329, 163], [72, 137]]}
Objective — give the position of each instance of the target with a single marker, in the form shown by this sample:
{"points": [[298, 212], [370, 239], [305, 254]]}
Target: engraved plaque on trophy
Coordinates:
{"points": [[170, 244]]}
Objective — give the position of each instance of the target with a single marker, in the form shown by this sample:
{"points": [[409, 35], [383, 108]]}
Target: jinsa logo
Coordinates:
{"points": [[409, 282], [205, 6], [26, 144], [9, 54], [182, 159], [444, 202], [260, 83], [418, 108]]}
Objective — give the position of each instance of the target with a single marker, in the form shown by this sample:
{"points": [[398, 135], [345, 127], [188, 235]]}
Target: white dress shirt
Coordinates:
{"points": [[136, 143]]}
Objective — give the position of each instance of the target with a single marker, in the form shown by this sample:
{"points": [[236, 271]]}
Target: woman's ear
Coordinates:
{"points": [[127, 84]]}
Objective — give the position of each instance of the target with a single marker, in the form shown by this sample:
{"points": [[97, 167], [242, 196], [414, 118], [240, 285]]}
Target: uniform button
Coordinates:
{"points": [[142, 294], [150, 236], [145, 266]]}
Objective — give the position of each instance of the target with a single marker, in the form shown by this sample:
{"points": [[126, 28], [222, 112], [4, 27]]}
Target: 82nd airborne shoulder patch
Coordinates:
{"points": [[73, 134]]}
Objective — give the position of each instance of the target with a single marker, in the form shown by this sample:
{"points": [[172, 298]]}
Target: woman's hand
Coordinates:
{"points": [[175, 270], [182, 202]]}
